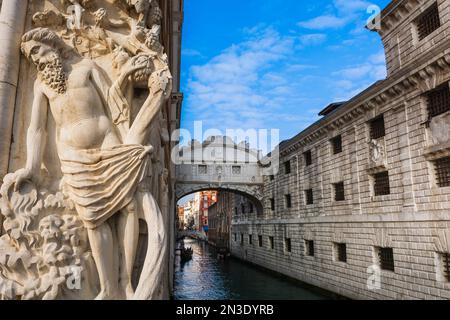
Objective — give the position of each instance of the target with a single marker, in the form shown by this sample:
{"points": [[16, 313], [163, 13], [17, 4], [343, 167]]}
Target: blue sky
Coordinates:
{"points": [[262, 64]]}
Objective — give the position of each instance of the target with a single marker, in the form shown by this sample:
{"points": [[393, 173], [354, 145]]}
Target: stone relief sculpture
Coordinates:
{"points": [[76, 236], [440, 129], [377, 152]]}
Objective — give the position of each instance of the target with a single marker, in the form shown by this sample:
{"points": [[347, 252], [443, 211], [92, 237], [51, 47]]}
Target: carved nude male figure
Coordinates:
{"points": [[101, 169]]}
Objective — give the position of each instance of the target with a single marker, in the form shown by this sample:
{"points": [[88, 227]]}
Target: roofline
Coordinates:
{"points": [[361, 96], [377, 87], [391, 7]]}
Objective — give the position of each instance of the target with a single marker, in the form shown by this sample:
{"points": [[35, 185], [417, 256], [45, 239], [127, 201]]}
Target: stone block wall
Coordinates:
{"points": [[418, 271], [400, 35]]}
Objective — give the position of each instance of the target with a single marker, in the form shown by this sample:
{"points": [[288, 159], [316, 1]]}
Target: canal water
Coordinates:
{"points": [[207, 278]]}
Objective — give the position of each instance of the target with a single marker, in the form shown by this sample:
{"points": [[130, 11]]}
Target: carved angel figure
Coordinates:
{"points": [[377, 154]]}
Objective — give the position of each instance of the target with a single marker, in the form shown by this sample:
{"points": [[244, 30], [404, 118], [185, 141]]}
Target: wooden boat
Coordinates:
{"points": [[186, 254], [223, 253]]}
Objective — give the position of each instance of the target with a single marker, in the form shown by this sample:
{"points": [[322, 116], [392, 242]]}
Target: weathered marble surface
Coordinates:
{"points": [[93, 165]]}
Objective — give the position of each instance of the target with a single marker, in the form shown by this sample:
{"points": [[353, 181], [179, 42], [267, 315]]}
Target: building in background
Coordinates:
{"points": [[202, 201], [220, 215], [180, 218], [189, 215]]}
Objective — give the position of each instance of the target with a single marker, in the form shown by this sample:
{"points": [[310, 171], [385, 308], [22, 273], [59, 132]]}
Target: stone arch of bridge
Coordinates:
{"points": [[253, 193]]}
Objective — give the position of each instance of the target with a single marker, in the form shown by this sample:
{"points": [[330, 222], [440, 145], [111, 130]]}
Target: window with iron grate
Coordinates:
{"points": [[377, 128], [260, 241], [287, 167], [308, 158], [309, 196], [242, 239], [288, 201], [271, 243], [442, 169], [309, 245], [446, 266], [381, 184], [386, 256], [428, 21], [438, 101], [336, 143], [272, 204], [202, 169], [250, 239], [287, 245], [339, 192], [341, 250]]}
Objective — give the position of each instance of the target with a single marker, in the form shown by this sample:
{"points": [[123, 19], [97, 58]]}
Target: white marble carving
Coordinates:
{"points": [[440, 129], [377, 153], [75, 235]]}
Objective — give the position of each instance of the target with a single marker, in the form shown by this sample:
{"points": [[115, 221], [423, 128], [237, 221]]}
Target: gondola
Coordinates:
{"points": [[186, 254]]}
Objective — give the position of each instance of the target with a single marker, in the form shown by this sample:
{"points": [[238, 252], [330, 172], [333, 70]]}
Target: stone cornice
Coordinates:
{"points": [[415, 75], [363, 218], [394, 14], [437, 151]]}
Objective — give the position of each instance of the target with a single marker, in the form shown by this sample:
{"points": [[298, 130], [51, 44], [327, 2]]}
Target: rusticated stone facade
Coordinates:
{"points": [[365, 191]]}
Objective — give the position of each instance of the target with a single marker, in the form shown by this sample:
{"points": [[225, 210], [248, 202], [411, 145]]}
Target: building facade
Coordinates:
{"points": [[220, 215], [203, 200], [181, 223], [361, 205]]}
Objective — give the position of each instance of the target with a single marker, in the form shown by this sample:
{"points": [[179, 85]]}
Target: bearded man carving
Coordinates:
{"points": [[101, 168]]}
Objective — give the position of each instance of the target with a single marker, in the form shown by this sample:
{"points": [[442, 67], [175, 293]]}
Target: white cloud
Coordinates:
{"points": [[347, 7], [352, 80], [264, 81], [191, 53], [345, 12], [299, 67], [378, 58], [324, 22], [356, 72], [313, 39], [240, 84]]}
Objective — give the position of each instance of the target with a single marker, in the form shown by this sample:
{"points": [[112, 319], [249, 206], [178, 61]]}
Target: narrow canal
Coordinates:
{"points": [[207, 278]]}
